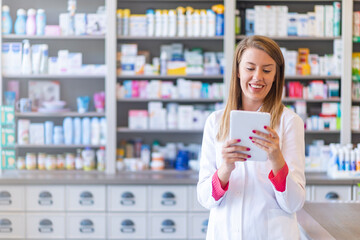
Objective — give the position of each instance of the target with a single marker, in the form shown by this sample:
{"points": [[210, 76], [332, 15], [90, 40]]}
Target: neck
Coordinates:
{"points": [[250, 105]]}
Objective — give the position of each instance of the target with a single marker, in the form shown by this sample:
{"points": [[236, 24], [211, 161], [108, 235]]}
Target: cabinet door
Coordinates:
{"points": [[12, 225], [194, 205], [197, 225], [308, 190], [127, 198], [167, 226], [168, 198], [328, 193], [45, 198], [12, 198], [127, 226], [85, 198], [45, 226], [86, 226]]}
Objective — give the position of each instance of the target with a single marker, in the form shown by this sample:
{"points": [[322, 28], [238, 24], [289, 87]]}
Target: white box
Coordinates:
{"points": [[292, 24], [63, 61], [74, 62], [96, 24], [311, 23], [80, 24], [37, 133], [302, 25], [64, 23], [6, 56], [185, 117], [15, 57], [320, 20], [282, 15], [329, 21], [261, 17], [138, 119]]}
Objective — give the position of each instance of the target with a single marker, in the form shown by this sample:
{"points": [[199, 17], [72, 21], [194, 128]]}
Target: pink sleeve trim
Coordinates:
{"points": [[279, 181], [217, 190]]}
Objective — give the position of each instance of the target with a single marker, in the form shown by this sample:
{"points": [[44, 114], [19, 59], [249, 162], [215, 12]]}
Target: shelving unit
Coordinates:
{"points": [[171, 77], [60, 114], [85, 37], [60, 76]]}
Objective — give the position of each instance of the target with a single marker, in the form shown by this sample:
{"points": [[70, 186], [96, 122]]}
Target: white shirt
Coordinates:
{"points": [[252, 208]]}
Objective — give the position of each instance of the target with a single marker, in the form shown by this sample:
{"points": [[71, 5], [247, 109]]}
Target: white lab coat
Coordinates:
{"points": [[252, 208]]}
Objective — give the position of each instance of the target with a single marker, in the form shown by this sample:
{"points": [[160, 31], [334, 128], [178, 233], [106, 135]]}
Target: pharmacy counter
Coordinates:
{"points": [[330, 221], [135, 178]]}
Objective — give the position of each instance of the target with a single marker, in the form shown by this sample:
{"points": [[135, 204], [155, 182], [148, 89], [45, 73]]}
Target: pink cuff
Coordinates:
{"points": [[279, 181], [217, 190]]}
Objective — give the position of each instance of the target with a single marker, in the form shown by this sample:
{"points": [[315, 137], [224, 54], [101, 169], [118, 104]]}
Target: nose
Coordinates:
{"points": [[258, 74]]}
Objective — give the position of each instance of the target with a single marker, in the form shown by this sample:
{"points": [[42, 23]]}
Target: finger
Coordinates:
{"points": [[261, 146], [262, 134], [262, 142], [231, 142], [237, 155], [236, 159], [272, 132]]}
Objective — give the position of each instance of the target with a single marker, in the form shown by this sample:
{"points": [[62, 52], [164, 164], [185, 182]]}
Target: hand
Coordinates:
{"points": [[231, 154], [270, 143]]}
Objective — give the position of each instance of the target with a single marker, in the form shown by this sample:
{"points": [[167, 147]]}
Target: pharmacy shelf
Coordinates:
{"points": [[129, 100], [146, 38], [57, 76], [296, 38], [322, 131], [151, 131], [52, 146], [171, 77], [60, 114], [311, 100], [312, 77], [82, 37]]}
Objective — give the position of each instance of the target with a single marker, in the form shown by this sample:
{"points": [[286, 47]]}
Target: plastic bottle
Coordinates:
{"points": [[40, 22], [6, 20], [172, 23], [20, 23], [145, 155], [86, 135], [172, 115], [125, 22], [158, 23], [77, 131], [196, 23], [44, 59], [103, 129], [101, 159], [71, 9], [119, 18], [163, 63], [203, 23], [79, 162], [211, 19], [150, 22], [68, 131], [58, 135], [219, 27], [88, 155], [26, 58], [189, 21], [237, 22], [31, 22], [95, 131], [181, 22], [165, 23]]}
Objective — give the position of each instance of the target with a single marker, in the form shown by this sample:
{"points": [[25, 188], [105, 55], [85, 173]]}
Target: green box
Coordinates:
{"points": [[8, 159], [7, 137], [7, 115]]}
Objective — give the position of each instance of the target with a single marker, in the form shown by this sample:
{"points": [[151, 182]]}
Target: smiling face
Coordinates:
{"points": [[257, 73]]}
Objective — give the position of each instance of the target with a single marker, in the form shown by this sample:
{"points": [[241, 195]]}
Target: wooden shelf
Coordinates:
{"points": [[173, 77], [311, 100], [35, 37], [296, 38], [60, 114], [165, 131], [58, 76], [126, 100]]}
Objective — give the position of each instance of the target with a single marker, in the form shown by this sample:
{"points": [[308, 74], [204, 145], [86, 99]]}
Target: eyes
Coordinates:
{"points": [[264, 70]]}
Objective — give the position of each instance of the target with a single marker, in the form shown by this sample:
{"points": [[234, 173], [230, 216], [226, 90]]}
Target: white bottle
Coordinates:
{"points": [[181, 22], [44, 59], [150, 22], [211, 20], [95, 131], [196, 23], [203, 23], [165, 23], [101, 159], [172, 23], [26, 58], [35, 58], [79, 162], [172, 115], [31, 22], [103, 129], [158, 23], [189, 22], [86, 134], [77, 131], [68, 131]]}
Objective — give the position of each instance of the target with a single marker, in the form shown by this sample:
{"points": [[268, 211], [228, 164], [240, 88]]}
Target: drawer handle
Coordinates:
{"points": [[168, 226], [127, 202], [5, 198], [5, 226], [45, 198], [332, 196], [204, 226], [45, 226], [169, 199], [86, 226], [128, 199], [128, 226], [86, 198]]}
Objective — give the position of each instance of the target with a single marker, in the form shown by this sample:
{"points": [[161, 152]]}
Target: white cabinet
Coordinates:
{"points": [[197, 225], [12, 225], [127, 198], [45, 198], [194, 205], [356, 193], [85, 198], [326, 193], [12, 198], [168, 198], [86, 226], [308, 191], [45, 226], [127, 226], [167, 226]]}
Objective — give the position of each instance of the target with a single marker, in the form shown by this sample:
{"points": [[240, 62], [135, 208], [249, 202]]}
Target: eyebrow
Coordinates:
{"points": [[266, 65]]}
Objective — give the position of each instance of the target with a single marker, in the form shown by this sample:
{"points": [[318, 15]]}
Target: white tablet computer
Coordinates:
{"points": [[242, 123]]}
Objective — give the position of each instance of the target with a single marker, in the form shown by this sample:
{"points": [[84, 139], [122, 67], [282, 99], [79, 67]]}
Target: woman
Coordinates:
{"points": [[251, 199]]}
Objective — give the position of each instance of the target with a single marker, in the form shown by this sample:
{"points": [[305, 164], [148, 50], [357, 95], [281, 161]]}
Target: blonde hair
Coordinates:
{"points": [[272, 102]]}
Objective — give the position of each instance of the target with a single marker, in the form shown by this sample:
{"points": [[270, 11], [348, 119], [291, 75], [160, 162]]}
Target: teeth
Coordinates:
{"points": [[256, 86]]}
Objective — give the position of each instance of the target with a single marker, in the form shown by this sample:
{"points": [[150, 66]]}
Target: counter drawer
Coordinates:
{"points": [[45, 198], [326, 193], [86, 226], [12, 225], [308, 191], [45, 226], [194, 205], [167, 226], [85, 198], [168, 198], [12, 198], [197, 225], [127, 198], [127, 226]]}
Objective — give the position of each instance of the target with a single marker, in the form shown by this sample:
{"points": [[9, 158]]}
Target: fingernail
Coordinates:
{"points": [[249, 156], [245, 160], [250, 137], [254, 131], [248, 149], [239, 140], [265, 127], [253, 141]]}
